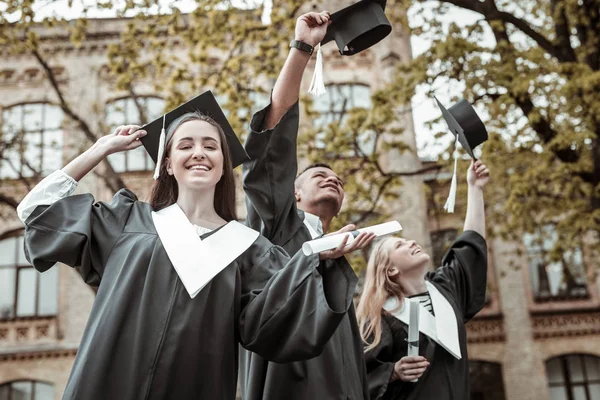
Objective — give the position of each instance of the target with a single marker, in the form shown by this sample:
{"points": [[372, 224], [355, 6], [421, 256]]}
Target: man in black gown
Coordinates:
{"points": [[289, 212]]}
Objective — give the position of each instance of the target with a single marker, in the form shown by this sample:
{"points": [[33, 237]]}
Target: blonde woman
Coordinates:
{"points": [[449, 297]]}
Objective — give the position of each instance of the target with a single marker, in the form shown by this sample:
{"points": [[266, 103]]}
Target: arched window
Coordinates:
{"points": [[31, 140], [125, 111], [24, 292], [486, 380], [574, 377], [335, 105], [27, 390]]}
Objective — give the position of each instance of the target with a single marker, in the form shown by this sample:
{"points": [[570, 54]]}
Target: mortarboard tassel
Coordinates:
{"points": [[317, 86], [161, 149], [449, 206]]}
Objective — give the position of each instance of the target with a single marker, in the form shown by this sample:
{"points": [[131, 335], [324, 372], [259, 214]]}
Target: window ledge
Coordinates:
{"points": [[28, 330]]}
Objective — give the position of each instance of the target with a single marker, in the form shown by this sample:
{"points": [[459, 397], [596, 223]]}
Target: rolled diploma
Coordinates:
{"points": [[413, 329], [333, 241]]}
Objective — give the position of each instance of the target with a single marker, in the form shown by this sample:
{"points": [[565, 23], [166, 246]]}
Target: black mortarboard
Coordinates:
{"points": [[466, 126], [207, 105], [358, 26], [464, 122]]}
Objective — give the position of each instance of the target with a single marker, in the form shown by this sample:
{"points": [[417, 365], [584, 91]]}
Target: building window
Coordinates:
{"points": [[486, 380], [333, 107], [574, 377], [31, 140], [126, 112], [561, 280], [24, 292], [26, 390]]}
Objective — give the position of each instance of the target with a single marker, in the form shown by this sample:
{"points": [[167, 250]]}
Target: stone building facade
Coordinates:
{"points": [[521, 347]]}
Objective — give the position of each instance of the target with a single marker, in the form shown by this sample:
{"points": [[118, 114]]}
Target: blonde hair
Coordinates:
{"points": [[378, 288]]}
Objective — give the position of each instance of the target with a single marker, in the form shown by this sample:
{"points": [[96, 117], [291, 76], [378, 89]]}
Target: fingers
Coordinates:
{"points": [[347, 228], [340, 248], [412, 377], [126, 130], [316, 18], [412, 359], [362, 240], [135, 139]]}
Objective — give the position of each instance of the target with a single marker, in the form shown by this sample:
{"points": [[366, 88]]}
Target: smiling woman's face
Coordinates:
{"points": [[406, 255], [196, 156]]}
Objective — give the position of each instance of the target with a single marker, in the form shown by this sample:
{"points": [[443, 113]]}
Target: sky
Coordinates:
{"points": [[424, 109]]}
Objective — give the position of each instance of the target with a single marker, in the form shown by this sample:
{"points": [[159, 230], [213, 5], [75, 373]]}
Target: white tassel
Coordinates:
{"points": [[449, 206], [317, 86], [161, 149]]}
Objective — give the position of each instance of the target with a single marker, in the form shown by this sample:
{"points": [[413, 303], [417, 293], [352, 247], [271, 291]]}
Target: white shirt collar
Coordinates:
{"points": [[314, 225]]}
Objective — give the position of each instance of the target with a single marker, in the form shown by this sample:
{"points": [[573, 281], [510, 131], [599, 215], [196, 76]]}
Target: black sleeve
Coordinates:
{"points": [[464, 272], [78, 232], [269, 175], [286, 314], [380, 362]]}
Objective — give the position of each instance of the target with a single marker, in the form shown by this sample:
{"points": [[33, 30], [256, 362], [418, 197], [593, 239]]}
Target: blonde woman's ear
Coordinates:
{"points": [[393, 271]]}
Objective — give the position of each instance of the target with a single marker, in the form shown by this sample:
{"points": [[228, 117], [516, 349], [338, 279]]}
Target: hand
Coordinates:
{"points": [[410, 368], [362, 240], [478, 174], [125, 137], [312, 27]]}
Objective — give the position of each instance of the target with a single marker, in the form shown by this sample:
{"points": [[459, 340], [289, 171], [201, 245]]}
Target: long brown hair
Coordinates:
{"points": [[378, 288], [165, 190]]}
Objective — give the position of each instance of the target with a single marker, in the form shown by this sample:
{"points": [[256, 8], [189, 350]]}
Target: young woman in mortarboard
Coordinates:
{"points": [[449, 297], [180, 281]]}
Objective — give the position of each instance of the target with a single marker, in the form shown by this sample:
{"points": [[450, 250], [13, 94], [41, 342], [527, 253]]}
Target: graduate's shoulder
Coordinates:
{"points": [[260, 247], [139, 218]]}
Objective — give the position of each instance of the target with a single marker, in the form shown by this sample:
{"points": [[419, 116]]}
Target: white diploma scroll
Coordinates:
{"points": [[333, 241], [413, 328]]}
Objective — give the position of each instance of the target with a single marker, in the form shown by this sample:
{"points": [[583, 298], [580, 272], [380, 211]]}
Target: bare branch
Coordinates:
{"points": [[111, 178], [561, 27], [8, 201]]}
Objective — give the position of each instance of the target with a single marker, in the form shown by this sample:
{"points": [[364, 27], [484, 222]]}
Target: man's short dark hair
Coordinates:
{"points": [[315, 165]]}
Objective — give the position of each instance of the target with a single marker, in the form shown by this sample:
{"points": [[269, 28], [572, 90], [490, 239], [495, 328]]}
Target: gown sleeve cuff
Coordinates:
{"points": [[339, 284], [258, 119], [52, 188]]}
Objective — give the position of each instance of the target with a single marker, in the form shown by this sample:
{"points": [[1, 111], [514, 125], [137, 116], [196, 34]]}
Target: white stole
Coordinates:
{"points": [[441, 328], [198, 261]]}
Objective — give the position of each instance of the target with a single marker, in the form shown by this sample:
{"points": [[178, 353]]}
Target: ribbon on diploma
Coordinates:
{"points": [[332, 241]]}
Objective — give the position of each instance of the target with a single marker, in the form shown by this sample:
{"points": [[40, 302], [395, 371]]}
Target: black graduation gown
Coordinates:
{"points": [[145, 337], [268, 178], [462, 281]]}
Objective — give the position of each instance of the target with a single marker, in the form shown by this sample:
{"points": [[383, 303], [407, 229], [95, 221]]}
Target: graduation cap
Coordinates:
{"points": [[468, 129], [206, 104], [358, 26], [354, 28]]}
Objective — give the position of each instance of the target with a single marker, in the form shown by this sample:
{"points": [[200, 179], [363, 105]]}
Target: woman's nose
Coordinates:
{"points": [[199, 153]]}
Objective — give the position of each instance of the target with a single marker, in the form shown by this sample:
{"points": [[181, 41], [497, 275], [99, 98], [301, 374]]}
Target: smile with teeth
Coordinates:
{"points": [[199, 168], [416, 251]]}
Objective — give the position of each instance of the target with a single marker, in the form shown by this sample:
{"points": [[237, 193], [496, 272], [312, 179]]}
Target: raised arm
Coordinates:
{"points": [[61, 184], [122, 139], [310, 29], [477, 177], [269, 175]]}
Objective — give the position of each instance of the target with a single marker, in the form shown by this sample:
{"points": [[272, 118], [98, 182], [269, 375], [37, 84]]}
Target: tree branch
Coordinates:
{"points": [[111, 178], [490, 11], [8, 201], [561, 28]]}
